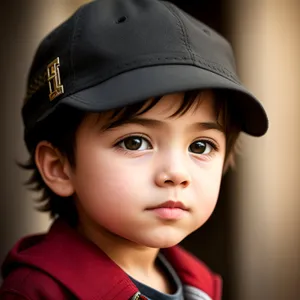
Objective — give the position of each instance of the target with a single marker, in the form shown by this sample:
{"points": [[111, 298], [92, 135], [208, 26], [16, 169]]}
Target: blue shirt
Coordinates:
{"points": [[153, 294]]}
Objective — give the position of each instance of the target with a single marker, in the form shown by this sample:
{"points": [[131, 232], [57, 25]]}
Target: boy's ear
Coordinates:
{"points": [[54, 168]]}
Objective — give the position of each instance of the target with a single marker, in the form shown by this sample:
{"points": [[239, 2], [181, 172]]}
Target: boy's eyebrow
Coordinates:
{"points": [[158, 124], [208, 126]]}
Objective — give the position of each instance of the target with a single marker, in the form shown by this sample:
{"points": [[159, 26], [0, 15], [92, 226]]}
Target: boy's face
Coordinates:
{"points": [[153, 180]]}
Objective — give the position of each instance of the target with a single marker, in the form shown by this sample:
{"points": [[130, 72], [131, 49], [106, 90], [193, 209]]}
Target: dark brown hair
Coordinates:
{"points": [[60, 130]]}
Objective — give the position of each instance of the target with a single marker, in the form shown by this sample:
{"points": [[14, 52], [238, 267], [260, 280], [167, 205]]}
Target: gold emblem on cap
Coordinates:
{"points": [[53, 77]]}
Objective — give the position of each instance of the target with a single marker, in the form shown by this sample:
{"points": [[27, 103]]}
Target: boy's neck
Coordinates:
{"points": [[134, 259], [137, 261]]}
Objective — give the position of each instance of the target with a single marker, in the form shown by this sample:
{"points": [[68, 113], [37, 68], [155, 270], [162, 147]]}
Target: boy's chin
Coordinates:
{"points": [[163, 243], [161, 238], [166, 245]]}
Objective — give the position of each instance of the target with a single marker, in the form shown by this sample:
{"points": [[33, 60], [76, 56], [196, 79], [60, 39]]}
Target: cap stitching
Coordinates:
{"points": [[135, 64], [179, 24], [198, 63], [183, 29], [188, 41], [74, 96], [36, 84], [217, 67], [76, 34]]}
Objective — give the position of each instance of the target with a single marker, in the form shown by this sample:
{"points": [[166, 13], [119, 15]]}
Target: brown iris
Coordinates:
{"points": [[133, 143], [198, 147]]}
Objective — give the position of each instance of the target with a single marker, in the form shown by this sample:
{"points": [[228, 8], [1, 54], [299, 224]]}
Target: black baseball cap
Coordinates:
{"points": [[113, 53]]}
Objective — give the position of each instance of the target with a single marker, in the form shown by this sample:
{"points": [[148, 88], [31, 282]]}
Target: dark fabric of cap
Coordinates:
{"points": [[114, 53]]}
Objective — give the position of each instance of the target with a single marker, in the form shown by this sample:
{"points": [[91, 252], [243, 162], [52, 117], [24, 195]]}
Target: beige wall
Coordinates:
{"points": [[267, 224]]}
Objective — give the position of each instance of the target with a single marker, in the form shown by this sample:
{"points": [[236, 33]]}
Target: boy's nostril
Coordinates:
{"points": [[169, 182]]}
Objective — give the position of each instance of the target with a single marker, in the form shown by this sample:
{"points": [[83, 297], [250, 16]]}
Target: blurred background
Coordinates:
{"points": [[253, 237]]}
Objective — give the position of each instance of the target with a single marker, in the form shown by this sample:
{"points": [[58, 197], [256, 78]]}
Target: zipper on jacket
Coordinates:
{"points": [[138, 296]]}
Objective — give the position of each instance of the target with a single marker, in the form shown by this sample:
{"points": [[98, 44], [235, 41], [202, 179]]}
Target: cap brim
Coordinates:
{"points": [[140, 84]]}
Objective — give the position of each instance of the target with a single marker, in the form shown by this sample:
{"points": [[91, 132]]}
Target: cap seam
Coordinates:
{"points": [[200, 63], [215, 66], [179, 24], [74, 96], [186, 37], [76, 33]]}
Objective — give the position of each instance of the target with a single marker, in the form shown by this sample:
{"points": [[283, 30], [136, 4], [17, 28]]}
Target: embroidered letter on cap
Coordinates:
{"points": [[55, 86]]}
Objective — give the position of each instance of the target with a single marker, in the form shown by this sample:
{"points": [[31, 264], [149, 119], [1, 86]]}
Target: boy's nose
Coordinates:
{"points": [[172, 178]]}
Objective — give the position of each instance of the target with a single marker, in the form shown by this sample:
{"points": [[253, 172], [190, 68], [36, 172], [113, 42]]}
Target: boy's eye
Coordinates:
{"points": [[201, 147], [135, 143]]}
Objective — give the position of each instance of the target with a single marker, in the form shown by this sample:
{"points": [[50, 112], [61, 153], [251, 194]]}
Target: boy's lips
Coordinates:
{"points": [[170, 204], [169, 210]]}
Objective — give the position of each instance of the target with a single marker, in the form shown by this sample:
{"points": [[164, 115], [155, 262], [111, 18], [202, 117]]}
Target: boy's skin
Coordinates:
{"points": [[118, 190]]}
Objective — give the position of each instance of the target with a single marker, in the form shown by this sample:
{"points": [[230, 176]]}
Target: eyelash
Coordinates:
{"points": [[212, 144]]}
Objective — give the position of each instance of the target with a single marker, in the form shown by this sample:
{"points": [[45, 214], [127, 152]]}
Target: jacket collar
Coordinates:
{"points": [[94, 275], [193, 272]]}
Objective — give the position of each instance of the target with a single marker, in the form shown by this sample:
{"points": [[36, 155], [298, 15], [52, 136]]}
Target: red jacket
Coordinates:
{"points": [[63, 265]]}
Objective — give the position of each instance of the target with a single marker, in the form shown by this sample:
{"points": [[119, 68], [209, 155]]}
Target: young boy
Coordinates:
{"points": [[132, 112]]}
